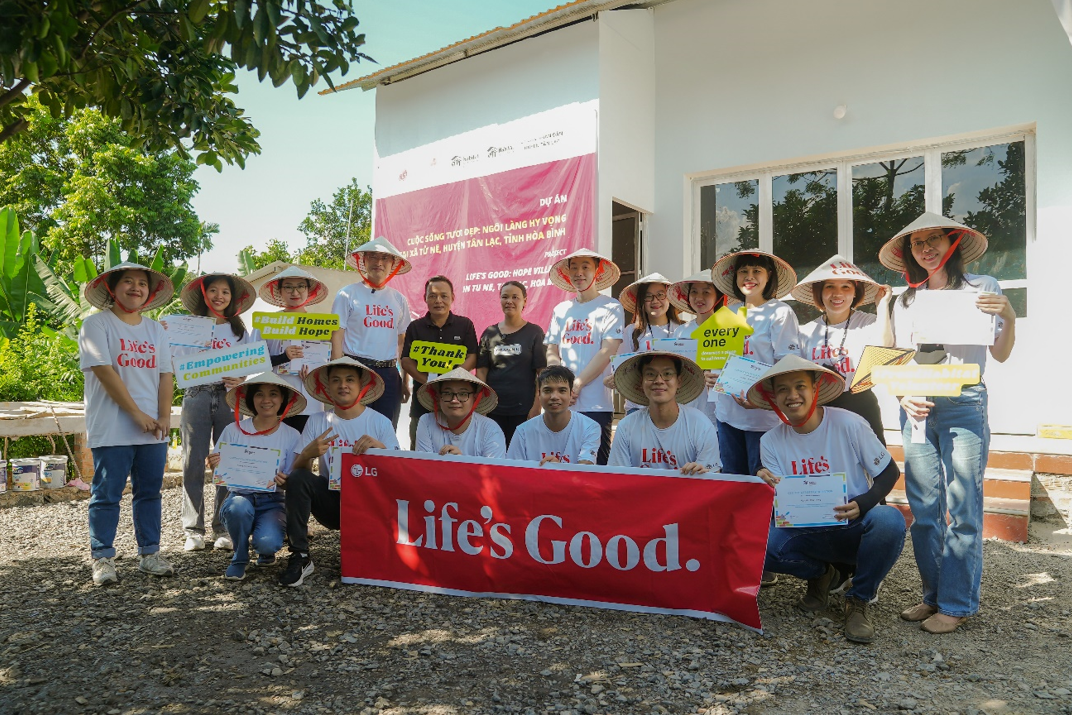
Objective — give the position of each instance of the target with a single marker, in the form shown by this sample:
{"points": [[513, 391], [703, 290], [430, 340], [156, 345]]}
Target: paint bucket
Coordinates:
{"points": [[54, 471], [26, 475]]}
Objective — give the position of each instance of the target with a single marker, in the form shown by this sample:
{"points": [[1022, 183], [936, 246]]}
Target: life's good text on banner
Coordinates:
{"points": [[627, 539]]}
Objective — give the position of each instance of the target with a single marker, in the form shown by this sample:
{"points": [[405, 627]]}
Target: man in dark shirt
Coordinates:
{"points": [[439, 325]]}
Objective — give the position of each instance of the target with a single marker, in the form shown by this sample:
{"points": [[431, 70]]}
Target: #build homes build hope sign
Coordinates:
{"points": [[642, 540]]}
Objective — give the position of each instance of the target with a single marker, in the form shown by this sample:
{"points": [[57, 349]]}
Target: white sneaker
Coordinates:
{"points": [[224, 543], [194, 542], [104, 571], [156, 565]]}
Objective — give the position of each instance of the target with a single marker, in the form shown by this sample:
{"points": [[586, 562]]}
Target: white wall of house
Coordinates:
{"points": [[743, 83]]}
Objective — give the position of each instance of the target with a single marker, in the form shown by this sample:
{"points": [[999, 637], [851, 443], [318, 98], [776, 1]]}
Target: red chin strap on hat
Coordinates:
{"points": [[814, 403], [323, 390], [240, 395], [948, 254], [208, 305], [435, 410], [152, 294], [278, 286], [600, 270], [364, 276]]}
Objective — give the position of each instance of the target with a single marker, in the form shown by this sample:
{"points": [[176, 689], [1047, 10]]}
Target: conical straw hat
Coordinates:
{"points": [[160, 287], [679, 290], [831, 384], [356, 259], [607, 272], [628, 295], [628, 378], [238, 395], [972, 243], [837, 268], [488, 400], [724, 274], [316, 381], [271, 291]]}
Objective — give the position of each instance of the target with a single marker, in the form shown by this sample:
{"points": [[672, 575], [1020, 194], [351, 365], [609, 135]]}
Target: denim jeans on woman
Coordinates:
{"points": [[739, 449], [204, 415], [145, 464], [945, 474], [258, 514]]}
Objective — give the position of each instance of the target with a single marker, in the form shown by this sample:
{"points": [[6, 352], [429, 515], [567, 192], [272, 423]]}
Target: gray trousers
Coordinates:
{"points": [[204, 415]]}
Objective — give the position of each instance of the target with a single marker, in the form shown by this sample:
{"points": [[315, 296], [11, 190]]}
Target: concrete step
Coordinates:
{"points": [[1003, 519], [997, 483]]}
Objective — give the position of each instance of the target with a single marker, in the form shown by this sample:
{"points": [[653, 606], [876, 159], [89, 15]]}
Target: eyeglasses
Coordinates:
{"points": [[652, 297], [293, 288], [666, 375], [932, 242], [452, 396]]}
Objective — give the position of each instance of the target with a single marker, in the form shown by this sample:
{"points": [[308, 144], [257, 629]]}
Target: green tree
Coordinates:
{"points": [[327, 226], [250, 259], [165, 68], [80, 182]]}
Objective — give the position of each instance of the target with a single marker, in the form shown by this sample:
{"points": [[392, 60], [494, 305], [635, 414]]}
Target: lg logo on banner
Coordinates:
{"points": [[357, 470]]}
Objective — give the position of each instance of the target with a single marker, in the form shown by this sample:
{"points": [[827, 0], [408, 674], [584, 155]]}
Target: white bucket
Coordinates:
{"points": [[26, 475], [54, 471]]}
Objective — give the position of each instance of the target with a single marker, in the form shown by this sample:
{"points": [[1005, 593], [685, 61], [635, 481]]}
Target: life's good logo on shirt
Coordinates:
{"points": [[506, 350], [136, 353], [657, 458], [557, 455], [379, 316], [810, 465], [220, 343], [578, 332], [838, 358]]}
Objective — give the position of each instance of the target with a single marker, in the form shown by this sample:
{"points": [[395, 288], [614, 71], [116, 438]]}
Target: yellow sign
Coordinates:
{"points": [[436, 358], [925, 380], [720, 337], [296, 326]]}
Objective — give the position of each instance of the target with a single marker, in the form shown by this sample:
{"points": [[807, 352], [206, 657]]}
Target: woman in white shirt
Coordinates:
{"points": [[204, 409], [837, 338], [654, 317], [944, 473]]}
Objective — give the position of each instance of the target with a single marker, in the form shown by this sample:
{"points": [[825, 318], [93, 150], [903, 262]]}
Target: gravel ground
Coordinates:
{"points": [[196, 643]]}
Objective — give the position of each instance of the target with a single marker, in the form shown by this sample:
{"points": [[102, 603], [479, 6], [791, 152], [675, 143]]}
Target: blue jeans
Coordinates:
{"points": [[260, 515], [205, 414], [604, 420], [739, 449], [145, 464], [390, 402], [873, 542], [945, 474]]}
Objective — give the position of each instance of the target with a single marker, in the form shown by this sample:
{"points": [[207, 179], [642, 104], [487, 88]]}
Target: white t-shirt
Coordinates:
{"points": [[843, 443], [286, 439], [775, 334], [278, 347], [579, 329], [222, 337], [644, 344], [140, 354], [347, 432], [840, 346], [372, 320], [533, 440], [701, 403], [955, 354], [482, 438], [639, 443]]}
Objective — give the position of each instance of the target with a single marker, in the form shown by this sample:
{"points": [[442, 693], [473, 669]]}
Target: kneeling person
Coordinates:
{"points": [[665, 433], [559, 434], [842, 442], [348, 386], [456, 423]]}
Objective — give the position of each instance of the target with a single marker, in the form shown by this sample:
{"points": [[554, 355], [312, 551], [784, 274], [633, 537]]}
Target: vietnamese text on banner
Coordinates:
{"points": [[628, 539]]}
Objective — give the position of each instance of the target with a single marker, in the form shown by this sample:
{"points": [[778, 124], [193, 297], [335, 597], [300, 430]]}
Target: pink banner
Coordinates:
{"points": [[484, 231], [629, 539]]}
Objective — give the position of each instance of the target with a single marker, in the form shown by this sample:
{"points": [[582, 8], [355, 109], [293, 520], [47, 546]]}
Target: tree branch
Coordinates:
{"points": [[105, 24], [12, 129], [12, 94]]}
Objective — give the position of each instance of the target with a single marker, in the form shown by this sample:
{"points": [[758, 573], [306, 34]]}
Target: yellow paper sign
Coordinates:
{"points": [[925, 380], [436, 358], [296, 326], [720, 337]]}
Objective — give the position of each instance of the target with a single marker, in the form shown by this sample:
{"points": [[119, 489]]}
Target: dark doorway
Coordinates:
{"points": [[626, 246]]}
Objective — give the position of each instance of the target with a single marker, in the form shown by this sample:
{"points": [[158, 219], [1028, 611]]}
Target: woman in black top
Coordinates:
{"points": [[511, 353]]}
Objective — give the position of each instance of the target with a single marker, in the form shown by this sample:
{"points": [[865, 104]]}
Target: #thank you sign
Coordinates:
{"points": [[210, 366], [655, 541], [436, 358]]}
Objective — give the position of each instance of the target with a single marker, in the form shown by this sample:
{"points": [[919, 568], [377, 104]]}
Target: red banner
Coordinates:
{"points": [[626, 539], [484, 231]]}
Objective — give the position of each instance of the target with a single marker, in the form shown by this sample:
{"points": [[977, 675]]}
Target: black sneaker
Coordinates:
{"points": [[298, 567]]}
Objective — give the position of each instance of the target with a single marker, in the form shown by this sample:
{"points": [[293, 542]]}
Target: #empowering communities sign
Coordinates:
{"points": [[641, 540], [296, 326], [210, 366], [498, 203]]}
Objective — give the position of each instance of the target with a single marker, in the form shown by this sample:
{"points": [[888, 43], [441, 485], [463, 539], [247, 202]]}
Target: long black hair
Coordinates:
{"points": [[641, 321], [752, 259], [954, 270], [230, 312], [252, 393]]}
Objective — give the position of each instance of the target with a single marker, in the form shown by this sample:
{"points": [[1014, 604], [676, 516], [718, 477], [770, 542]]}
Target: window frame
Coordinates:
{"points": [[843, 164]]}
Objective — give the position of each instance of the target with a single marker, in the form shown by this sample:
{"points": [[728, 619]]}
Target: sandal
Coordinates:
{"points": [[918, 612]]}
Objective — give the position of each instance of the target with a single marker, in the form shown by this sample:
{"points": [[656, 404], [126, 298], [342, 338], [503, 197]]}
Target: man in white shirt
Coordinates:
{"points": [[457, 403], [373, 319], [585, 333], [348, 387], [815, 440], [665, 433], [559, 434]]}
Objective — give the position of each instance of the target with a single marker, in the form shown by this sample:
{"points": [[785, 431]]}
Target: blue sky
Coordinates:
{"points": [[313, 146]]}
